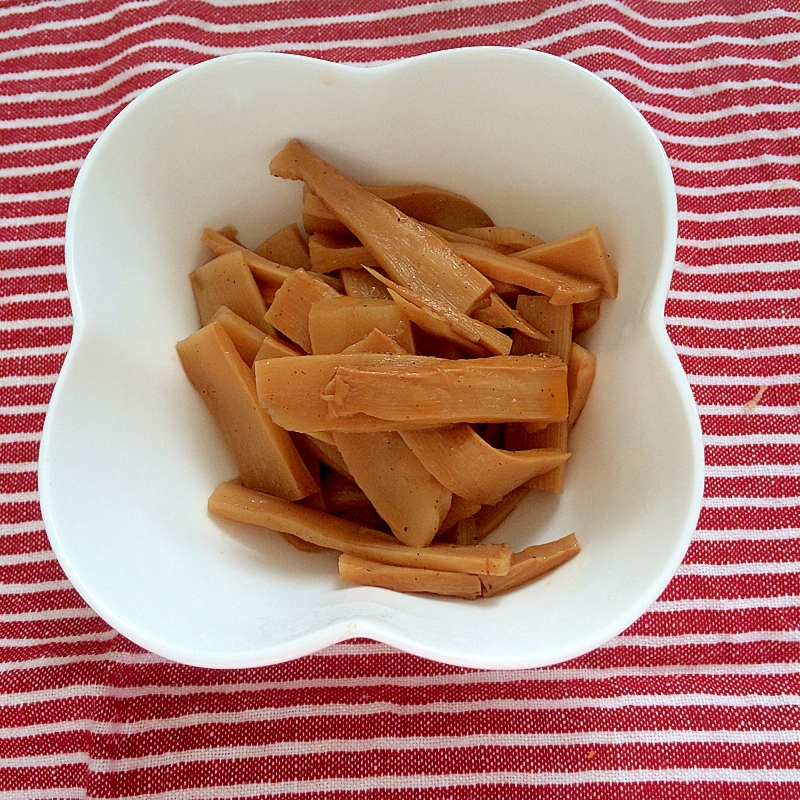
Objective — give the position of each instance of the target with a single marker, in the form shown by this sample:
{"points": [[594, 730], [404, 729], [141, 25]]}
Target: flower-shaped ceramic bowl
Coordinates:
{"points": [[129, 454]]}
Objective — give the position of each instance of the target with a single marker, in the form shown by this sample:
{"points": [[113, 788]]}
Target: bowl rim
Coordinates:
{"points": [[356, 627]]}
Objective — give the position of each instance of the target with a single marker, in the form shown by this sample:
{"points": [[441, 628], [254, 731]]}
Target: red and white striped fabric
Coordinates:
{"points": [[699, 699]]}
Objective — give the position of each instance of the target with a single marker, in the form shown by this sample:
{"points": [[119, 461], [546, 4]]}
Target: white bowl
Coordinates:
{"points": [[129, 455]]}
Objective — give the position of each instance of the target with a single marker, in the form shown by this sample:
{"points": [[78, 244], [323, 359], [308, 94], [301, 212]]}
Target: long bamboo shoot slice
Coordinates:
{"points": [[425, 203], [239, 503], [484, 339], [580, 377], [359, 283], [489, 518], [531, 563], [408, 252], [329, 253], [226, 281], [246, 337], [514, 238], [365, 392], [582, 255], [376, 342], [336, 323], [262, 268], [272, 347], [408, 579], [286, 246], [562, 289], [410, 500], [585, 315], [460, 509], [266, 457], [292, 303], [471, 468], [463, 238], [499, 314], [556, 322]]}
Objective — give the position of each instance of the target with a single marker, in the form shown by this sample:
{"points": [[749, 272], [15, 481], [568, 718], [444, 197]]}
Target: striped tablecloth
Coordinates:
{"points": [[699, 699]]}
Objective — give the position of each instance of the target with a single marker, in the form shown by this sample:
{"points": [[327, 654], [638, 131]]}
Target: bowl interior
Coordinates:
{"points": [[130, 455]]}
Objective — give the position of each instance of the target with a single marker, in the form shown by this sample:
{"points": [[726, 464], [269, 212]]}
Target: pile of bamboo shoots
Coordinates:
{"points": [[392, 387]]}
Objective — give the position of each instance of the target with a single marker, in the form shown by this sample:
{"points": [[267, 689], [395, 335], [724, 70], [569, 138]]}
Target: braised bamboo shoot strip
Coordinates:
{"points": [[262, 268], [226, 281], [236, 502], [425, 203], [289, 310], [489, 518], [585, 315], [406, 496], [336, 323], [531, 563], [359, 283], [460, 509], [556, 322], [580, 377], [342, 494], [408, 252], [326, 452], [366, 392], [272, 347], [471, 468], [376, 342], [499, 314], [286, 246], [266, 457], [562, 289], [515, 238], [583, 255], [485, 340], [329, 253], [408, 579], [246, 337]]}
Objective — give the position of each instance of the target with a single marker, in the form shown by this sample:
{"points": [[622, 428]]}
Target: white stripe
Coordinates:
{"points": [[733, 324], [12, 244], [736, 297], [41, 219], [726, 604], [95, 636], [296, 748], [27, 380], [750, 135], [31, 272], [25, 466], [59, 294], [757, 267], [690, 639], [740, 568], [41, 169], [751, 502], [741, 213], [36, 322], [478, 678], [60, 661], [17, 528], [778, 184], [48, 615], [27, 352], [745, 439], [754, 470], [711, 115], [735, 163], [743, 380], [31, 197], [763, 411], [740, 241], [25, 436], [19, 497], [452, 780], [311, 711], [735, 352], [745, 535], [34, 408], [47, 144], [26, 558], [34, 588]]}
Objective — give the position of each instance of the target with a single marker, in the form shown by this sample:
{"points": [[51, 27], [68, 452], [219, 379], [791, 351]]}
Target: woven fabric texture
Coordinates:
{"points": [[699, 699]]}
